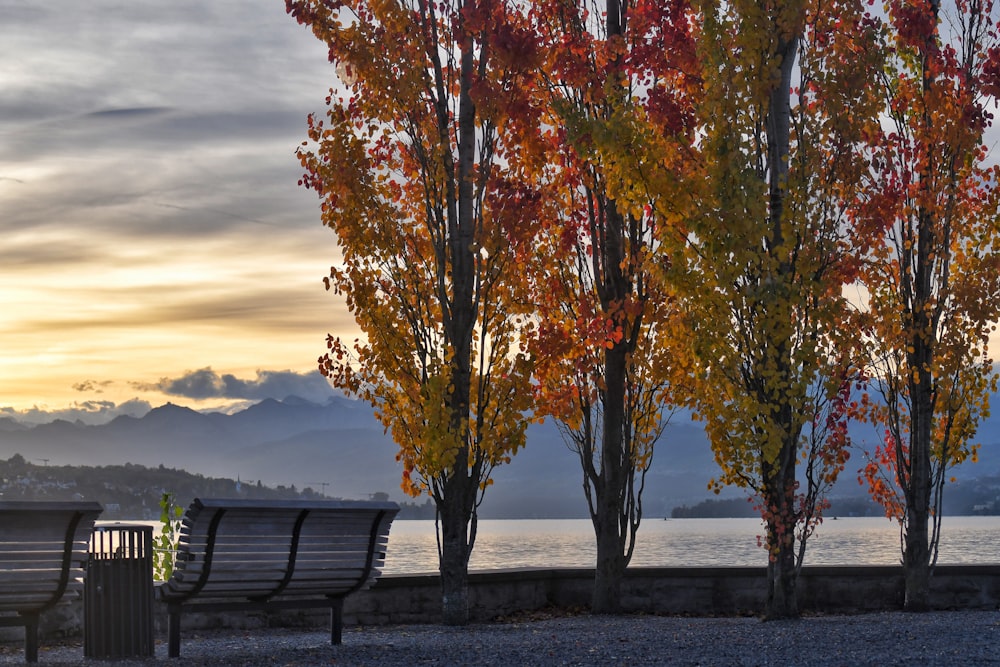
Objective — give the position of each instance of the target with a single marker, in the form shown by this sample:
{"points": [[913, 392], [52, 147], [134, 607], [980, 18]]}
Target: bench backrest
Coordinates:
{"points": [[43, 551], [258, 549]]}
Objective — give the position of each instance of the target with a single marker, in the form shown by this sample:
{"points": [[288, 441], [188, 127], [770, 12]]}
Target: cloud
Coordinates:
{"points": [[92, 386], [205, 384], [110, 109], [133, 112], [87, 412], [201, 385]]}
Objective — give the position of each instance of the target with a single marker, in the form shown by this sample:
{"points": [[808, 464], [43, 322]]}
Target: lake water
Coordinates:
{"points": [[547, 543]]}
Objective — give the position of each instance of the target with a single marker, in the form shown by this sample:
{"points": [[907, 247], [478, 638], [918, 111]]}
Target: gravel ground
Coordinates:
{"points": [[883, 639]]}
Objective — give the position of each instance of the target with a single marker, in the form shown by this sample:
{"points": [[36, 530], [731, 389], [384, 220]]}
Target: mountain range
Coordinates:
{"points": [[340, 449]]}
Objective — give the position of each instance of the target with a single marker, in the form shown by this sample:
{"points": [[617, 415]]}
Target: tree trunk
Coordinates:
{"points": [[782, 570], [917, 489], [610, 567], [456, 501], [454, 561], [614, 286], [916, 562], [782, 599], [608, 518], [916, 552], [779, 475]]}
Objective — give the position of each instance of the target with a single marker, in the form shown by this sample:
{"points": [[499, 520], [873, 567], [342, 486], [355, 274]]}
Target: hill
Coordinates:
{"points": [[340, 450], [127, 491], [133, 492]]}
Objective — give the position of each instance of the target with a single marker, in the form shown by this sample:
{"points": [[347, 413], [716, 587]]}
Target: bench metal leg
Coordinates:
{"points": [[173, 632], [336, 621], [31, 637]]}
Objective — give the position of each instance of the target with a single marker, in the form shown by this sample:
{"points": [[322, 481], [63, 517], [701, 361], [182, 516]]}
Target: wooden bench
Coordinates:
{"points": [[237, 555], [43, 558]]}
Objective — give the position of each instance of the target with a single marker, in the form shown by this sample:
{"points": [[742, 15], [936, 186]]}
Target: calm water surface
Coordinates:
{"points": [[684, 542]]}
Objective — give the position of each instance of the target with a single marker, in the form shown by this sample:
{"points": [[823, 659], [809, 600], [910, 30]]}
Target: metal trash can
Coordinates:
{"points": [[118, 592]]}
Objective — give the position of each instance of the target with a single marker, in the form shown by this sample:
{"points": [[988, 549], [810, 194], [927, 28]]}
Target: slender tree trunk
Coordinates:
{"points": [[917, 489], [457, 500], [782, 598], [610, 568], [916, 546], [779, 476], [916, 551], [608, 513], [454, 562], [608, 524], [916, 560]]}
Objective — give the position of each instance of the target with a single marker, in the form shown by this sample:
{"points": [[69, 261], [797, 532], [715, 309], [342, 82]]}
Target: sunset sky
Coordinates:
{"points": [[156, 245]]}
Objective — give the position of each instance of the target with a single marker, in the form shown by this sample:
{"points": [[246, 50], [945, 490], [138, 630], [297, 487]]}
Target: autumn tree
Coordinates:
{"points": [[767, 260], [606, 340], [406, 163], [925, 219]]}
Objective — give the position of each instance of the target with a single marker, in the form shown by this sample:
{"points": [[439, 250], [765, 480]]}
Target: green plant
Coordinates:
{"points": [[164, 545]]}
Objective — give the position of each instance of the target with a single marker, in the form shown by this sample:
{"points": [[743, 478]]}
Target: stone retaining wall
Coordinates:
{"points": [[719, 591]]}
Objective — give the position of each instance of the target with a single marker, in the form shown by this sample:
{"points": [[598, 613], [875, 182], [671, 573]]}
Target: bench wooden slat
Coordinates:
{"points": [[275, 522], [265, 551], [262, 565], [25, 600], [35, 573], [249, 587], [327, 587], [43, 586], [274, 572], [49, 561], [15, 593], [54, 544], [20, 555], [270, 546], [244, 590], [227, 552], [245, 542], [77, 558], [24, 525]]}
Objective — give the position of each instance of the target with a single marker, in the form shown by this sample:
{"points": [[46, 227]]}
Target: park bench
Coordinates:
{"points": [[43, 559], [235, 555]]}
